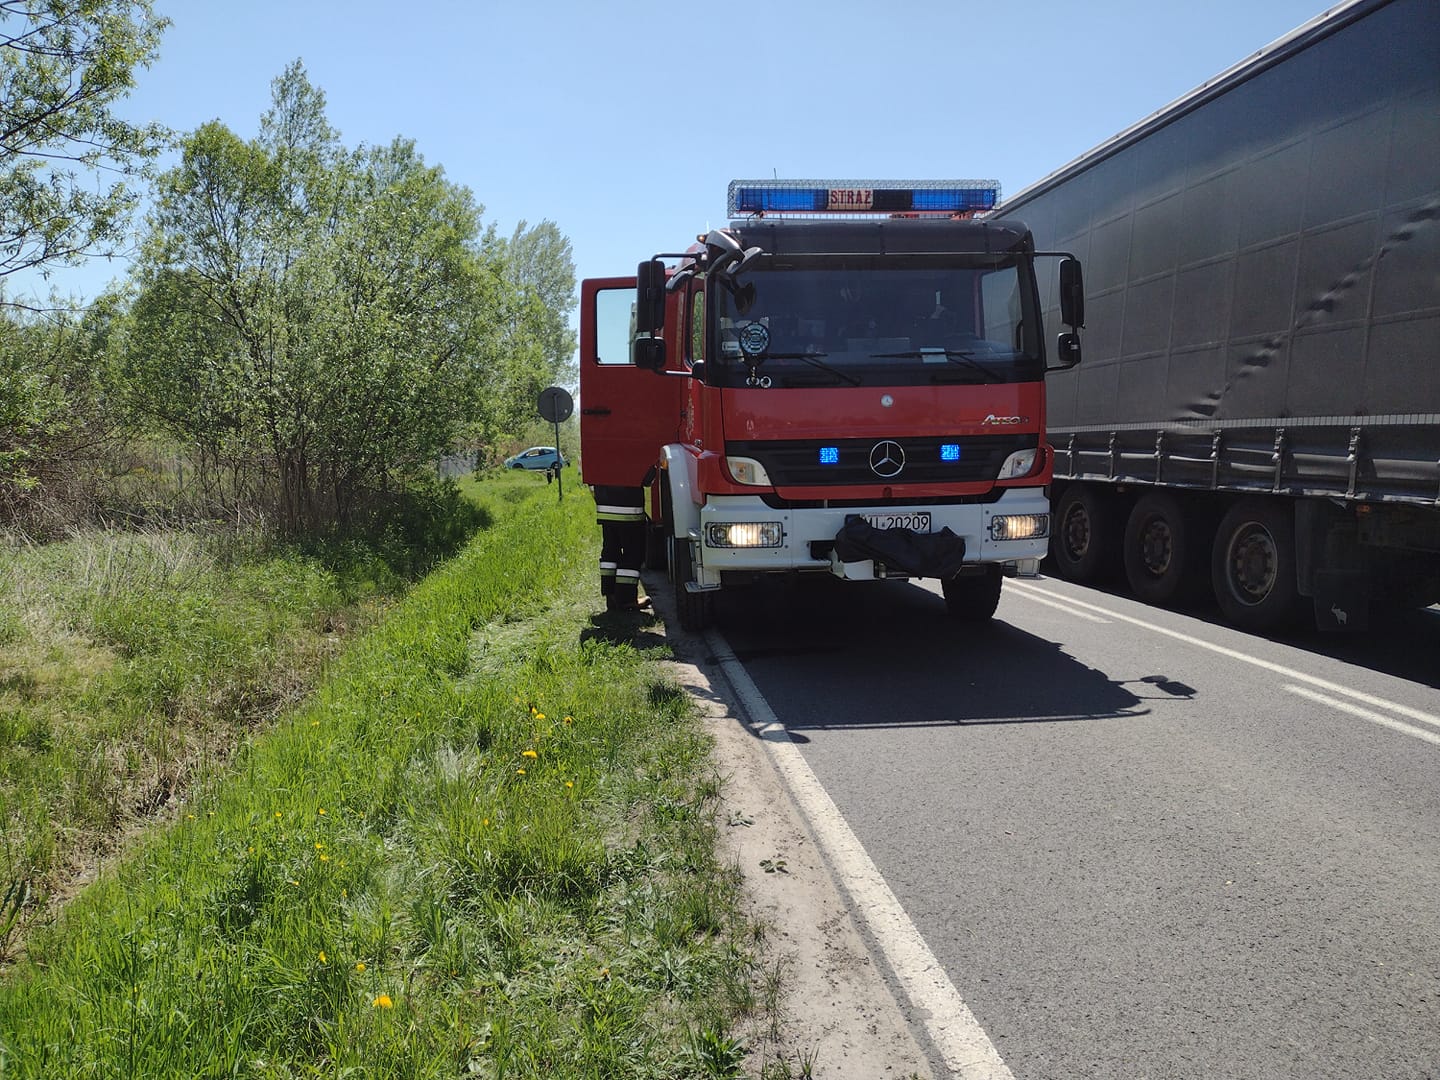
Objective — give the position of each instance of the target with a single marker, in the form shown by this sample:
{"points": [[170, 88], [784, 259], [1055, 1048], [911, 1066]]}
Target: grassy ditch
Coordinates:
{"points": [[131, 666], [484, 847]]}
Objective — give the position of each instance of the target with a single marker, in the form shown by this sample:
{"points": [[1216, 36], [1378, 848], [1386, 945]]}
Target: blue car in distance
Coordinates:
{"points": [[537, 457]]}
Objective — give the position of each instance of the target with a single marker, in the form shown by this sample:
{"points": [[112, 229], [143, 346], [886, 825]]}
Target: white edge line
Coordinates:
{"points": [[1235, 654], [961, 1042], [1366, 714]]}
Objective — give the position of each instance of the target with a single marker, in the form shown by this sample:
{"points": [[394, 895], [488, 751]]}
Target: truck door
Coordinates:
{"points": [[626, 413]]}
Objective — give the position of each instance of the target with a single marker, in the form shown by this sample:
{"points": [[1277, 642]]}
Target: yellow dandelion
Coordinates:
{"points": [[189, 817], [360, 966], [485, 821], [539, 716], [383, 1002], [321, 811], [529, 754], [322, 957], [278, 814], [324, 858], [314, 723], [519, 772], [569, 719], [569, 783]]}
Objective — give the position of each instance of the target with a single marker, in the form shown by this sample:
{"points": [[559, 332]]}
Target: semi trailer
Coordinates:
{"points": [[1259, 409]]}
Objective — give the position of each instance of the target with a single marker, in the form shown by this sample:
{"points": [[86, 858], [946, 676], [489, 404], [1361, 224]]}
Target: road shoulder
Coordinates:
{"points": [[838, 1011]]}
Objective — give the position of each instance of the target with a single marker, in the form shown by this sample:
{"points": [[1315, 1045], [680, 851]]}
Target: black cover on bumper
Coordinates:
{"points": [[936, 555]]}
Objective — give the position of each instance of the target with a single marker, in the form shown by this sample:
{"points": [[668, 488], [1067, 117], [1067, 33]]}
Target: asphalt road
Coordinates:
{"points": [[1141, 844]]}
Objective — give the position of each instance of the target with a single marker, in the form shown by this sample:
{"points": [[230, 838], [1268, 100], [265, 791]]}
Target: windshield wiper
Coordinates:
{"points": [[955, 356], [813, 359]]}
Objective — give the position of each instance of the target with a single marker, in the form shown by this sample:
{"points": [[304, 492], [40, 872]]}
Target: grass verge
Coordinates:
{"points": [[484, 847]]}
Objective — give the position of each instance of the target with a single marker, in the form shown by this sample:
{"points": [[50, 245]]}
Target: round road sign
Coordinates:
{"points": [[555, 404]]}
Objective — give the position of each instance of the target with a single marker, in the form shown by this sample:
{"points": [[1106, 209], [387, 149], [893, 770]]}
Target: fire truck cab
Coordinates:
{"points": [[848, 380]]}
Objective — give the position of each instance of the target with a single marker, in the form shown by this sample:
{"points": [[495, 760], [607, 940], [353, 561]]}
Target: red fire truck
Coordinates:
{"points": [[847, 380]]}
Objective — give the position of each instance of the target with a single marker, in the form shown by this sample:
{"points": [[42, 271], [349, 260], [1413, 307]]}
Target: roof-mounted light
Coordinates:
{"points": [[873, 197]]}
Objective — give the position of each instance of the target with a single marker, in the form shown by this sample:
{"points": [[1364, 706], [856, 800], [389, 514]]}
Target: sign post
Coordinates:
{"points": [[556, 406]]}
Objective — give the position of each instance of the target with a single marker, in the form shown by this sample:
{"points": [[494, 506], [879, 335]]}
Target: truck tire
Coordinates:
{"points": [[1159, 549], [973, 599], [1083, 542], [696, 609], [1252, 566]]}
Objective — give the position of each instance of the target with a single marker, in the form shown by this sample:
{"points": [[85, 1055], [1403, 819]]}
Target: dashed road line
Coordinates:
{"points": [[1069, 609]]}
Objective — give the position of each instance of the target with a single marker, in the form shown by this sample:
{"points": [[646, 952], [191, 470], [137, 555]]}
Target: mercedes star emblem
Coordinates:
{"points": [[887, 459]]}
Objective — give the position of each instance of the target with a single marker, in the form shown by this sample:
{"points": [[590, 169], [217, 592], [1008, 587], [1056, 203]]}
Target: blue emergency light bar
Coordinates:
{"points": [[874, 197]]}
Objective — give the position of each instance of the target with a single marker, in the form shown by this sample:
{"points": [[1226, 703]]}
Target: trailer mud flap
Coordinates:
{"points": [[933, 555]]}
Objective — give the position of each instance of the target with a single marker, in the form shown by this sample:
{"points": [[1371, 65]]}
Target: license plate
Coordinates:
{"points": [[917, 521]]}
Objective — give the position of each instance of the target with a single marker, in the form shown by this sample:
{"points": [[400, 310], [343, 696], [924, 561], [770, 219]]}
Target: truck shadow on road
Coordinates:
{"points": [[829, 655]]}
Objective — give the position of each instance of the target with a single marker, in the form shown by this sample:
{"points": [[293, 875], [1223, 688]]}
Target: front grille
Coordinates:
{"points": [[798, 462]]}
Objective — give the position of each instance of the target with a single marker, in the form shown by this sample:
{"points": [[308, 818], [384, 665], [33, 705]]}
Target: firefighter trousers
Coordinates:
{"points": [[621, 514]]}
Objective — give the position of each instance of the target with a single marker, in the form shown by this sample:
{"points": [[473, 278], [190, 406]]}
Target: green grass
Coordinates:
{"points": [[485, 847], [132, 664]]}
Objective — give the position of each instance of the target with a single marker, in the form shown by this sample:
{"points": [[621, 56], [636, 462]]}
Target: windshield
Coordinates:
{"points": [[875, 321]]}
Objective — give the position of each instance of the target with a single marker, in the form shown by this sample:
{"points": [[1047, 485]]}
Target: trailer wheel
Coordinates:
{"points": [[1083, 540], [973, 599], [1252, 566], [1158, 549], [696, 609]]}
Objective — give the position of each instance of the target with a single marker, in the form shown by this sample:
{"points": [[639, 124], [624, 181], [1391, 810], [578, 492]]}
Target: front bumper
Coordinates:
{"points": [[807, 534]]}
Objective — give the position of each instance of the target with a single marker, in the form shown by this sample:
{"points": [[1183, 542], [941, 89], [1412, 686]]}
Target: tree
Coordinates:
{"points": [[63, 64], [542, 265], [58, 431], [326, 317]]}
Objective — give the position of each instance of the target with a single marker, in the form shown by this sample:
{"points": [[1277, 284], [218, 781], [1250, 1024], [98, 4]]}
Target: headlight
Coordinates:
{"points": [[1019, 526], [744, 534], [1018, 464], [744, 470]]}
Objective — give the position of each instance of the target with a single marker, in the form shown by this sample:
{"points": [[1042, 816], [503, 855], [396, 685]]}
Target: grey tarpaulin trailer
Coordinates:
{"points": [[1259, 406]]}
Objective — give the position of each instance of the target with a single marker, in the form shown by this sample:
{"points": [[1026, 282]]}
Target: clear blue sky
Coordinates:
{"points": [[623, 121]]}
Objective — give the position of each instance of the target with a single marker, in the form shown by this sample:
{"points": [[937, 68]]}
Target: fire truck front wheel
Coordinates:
{"points": [[973, 599], [696, 609]]}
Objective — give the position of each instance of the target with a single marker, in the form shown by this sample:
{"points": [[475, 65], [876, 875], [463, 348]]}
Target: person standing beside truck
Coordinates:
{"points": [[621, 514]]}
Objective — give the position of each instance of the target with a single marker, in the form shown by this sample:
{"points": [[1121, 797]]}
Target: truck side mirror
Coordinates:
{"points": [[1072, 294], [648, 352], [649, 296]]}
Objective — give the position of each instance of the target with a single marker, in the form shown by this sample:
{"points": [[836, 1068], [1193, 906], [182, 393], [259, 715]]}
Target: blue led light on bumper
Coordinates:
{"points": [[950, 451], [829, 455]]}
